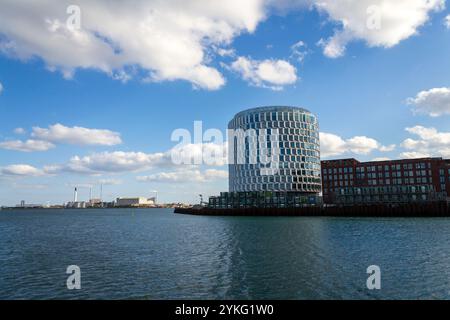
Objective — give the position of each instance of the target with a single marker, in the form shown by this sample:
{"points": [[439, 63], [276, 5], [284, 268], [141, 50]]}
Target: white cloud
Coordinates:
{"points": [[388, 148], [362, 145], [21, 170], [273, 74], [27, 146], [430, 143], [414, 155], [212, 154], [119, 161], [381, 159], [334, 145], [20, 131], [434, 102], [185, 176], [299, 51], [225, 52], [215, 174], [331, 145], [171, 40], [333, 47], [1, 88], [168, 40], [380, 23], [59, 133], [113, 162], [447, 21]]}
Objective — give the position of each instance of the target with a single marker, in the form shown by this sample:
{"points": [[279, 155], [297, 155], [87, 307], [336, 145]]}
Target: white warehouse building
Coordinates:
{"points": [[134, 202]]}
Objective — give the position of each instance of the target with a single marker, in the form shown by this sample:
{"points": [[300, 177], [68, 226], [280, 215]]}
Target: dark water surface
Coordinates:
{"points": [[155, 254]]}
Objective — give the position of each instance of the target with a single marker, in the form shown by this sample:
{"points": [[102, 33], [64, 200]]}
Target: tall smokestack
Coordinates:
{"points": [[75, 196]]}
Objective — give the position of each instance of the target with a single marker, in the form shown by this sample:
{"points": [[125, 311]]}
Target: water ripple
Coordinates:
{"points": [[154, 254]]}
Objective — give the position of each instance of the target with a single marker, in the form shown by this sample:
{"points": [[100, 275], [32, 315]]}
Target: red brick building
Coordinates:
{"points": [[349, 181]]}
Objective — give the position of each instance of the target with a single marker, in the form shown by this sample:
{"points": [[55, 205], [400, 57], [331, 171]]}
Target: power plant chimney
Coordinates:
{"points": [[75, 196]]}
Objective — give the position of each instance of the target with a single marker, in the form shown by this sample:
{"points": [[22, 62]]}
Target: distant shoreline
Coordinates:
{"points": [[77, 209]]}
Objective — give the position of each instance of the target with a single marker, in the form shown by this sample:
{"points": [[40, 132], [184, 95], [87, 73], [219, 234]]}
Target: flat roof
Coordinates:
{"points": [[381, 161], [271, 109]]}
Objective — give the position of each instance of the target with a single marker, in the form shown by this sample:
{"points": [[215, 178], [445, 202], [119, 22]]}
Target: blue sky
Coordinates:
{"points": [[105, 98]]}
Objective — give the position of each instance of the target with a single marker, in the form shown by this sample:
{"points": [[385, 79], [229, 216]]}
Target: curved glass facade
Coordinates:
{"points": [[289, 136]]}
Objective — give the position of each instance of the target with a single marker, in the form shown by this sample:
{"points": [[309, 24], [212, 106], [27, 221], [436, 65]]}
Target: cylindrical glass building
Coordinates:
{"points": [[274, 149]]}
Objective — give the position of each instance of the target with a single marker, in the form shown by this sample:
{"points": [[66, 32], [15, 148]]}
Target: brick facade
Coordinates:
{"points": [[348, 181]]}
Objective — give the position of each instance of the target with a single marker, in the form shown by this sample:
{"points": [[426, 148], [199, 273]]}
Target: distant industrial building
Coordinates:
{"points": [[350, 182], [95, 202], [135, 202], [77, 205], [25, 205], [91, 203], [274, 159]]}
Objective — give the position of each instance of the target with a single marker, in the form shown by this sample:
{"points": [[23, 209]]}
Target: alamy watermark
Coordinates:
{"points": [[241, 147], [374, 280], [373, 22], [374, 17], [73, 22], [74, 280]]}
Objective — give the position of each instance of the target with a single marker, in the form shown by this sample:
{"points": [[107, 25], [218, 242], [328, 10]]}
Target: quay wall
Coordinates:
{"points": [[407, 210]]}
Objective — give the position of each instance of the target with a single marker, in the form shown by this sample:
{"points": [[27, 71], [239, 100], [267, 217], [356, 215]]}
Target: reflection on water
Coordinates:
{"points": [[154, 254]]}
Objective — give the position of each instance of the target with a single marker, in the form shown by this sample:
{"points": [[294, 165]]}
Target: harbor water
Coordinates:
{"points": [[155, 254]]}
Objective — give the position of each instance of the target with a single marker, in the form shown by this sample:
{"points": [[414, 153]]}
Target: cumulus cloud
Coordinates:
{"points": [[212, 154], [388, 148], [46, 138], [27, 146], [223, 52], [362, 145], [272, 74], [171, 40], [21, 170], [168, 40], [414, 155], [380, 23], [20, 131], [331, 145], [447, 21], [59, 133], [1, 88], [430, 142], [110, 162], [434, 102], [185, 176], [120, 161], [334, 145]]}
